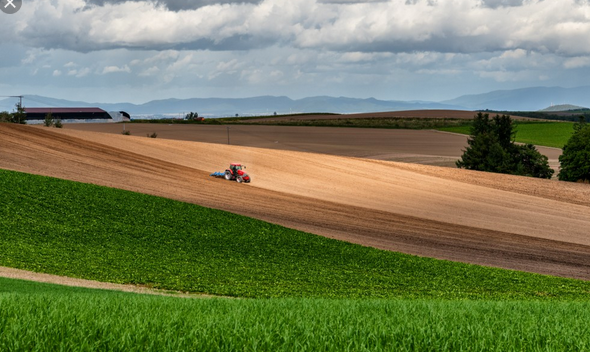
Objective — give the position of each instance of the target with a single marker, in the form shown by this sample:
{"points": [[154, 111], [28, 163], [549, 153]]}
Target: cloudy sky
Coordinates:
{"points": [[139, 50]]}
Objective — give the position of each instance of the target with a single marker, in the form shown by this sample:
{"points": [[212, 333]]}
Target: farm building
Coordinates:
{"points": [[70, 113]]}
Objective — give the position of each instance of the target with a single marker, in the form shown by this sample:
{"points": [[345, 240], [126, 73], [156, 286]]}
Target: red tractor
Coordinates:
{"points": [[236, 172]]}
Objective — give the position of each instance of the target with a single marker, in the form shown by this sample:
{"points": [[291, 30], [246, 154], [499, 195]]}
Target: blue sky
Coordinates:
{"points": [[140, 50]]}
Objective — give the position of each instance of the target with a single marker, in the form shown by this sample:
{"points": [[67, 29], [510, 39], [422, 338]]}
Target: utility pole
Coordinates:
{"points": [[20, 100], [20, 97]]}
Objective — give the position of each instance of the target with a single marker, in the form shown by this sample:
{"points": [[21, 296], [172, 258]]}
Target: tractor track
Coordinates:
{"points": [[161, 168]]}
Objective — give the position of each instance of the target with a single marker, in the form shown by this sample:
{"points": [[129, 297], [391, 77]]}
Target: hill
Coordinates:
{"points": [[215, 107], [429, 211], [563, 107], [525, 99]]}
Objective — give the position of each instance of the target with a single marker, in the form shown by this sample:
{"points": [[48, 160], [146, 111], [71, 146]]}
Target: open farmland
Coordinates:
{"points": [[495, 220], [416, 114], [39, 317], [86, 231], [413, 146]]}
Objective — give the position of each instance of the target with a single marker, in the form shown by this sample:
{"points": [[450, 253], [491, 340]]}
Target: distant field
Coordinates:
{"points": [[380, 122], [550, 134], [86, 231], [37, 316]]}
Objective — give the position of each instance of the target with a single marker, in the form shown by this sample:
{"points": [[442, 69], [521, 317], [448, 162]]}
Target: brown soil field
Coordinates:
{"points": [[495, 220], [414, 146]]}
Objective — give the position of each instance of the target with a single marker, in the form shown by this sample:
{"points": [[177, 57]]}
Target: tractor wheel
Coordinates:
{"points": [[239, 179], [227, 175]]}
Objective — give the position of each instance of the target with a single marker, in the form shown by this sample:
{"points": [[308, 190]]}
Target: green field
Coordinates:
{"points": [[86, 231], [297, 291], [42, 317], [550, 134]]}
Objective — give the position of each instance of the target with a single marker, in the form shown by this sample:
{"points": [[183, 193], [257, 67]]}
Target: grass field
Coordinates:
{"points": [[86, 231], [42, 317], [549, 134], [325, 295]]}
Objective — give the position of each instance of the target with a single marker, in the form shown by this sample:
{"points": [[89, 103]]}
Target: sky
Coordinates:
{"points": [[140, 50]]}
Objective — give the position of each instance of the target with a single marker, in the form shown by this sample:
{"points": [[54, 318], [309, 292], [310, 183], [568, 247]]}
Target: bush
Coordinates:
{"points": [[126, 132], [5, 116], [492, 149], [529, 162], [48, 120], [153, 135], [58, 123], [575, 159]]}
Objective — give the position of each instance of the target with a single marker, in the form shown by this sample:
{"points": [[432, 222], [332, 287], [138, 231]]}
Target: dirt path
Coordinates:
{"points": [[496, 220], [12, 273]]}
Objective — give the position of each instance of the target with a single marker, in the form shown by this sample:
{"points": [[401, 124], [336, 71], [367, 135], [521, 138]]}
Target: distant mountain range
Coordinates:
{"points": [[263, 105], [526, 99]]}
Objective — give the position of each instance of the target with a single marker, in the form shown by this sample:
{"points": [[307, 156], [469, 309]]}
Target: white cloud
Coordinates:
{"points": [[357, 26], [577, 62], [79, 73], [115, 69], [298, 47], [152, 71]]}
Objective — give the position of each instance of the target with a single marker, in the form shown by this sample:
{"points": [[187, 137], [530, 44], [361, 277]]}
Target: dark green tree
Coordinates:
{"points": [[19, 116], [504, 129], [48, 120], [529, 162], [191, 116], [575, 159], [491, 148]]}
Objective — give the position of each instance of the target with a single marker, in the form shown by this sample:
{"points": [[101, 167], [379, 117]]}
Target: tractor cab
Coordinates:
{"points": [[236, 172], [235, 167]]}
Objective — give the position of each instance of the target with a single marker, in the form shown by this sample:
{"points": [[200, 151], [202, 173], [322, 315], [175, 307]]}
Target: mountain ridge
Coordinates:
{"points": [[522, 99], [216, 107]]}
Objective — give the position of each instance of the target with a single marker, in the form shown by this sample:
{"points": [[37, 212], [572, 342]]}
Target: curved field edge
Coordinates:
{"points": [[542, 133], [37, 316], [549, 134], [97, 233]]}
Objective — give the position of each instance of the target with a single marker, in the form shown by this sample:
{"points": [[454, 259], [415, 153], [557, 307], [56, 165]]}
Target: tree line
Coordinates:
{"points": [[492, 148], [18, 116]]}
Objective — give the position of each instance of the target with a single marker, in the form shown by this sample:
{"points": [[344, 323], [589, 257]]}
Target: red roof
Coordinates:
{"points": [[61, 110]]}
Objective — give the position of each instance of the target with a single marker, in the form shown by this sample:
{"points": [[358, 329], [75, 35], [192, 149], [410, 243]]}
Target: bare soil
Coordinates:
{"points": [[70, 281], [415, 146], [495, 220]]}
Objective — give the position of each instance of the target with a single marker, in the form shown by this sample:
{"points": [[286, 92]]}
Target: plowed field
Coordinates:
{"points": [[497, 220]]}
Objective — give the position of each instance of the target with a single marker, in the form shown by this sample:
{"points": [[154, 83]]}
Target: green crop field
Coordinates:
{"points": [[297, 291], [86, 231], [550, 134], [43, 317]]}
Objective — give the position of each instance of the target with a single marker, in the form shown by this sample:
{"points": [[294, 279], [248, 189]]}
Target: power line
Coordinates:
{"points": [[20, 103]]}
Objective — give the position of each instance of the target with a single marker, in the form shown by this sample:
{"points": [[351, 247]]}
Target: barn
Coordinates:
{"points": [[67, 113]]}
